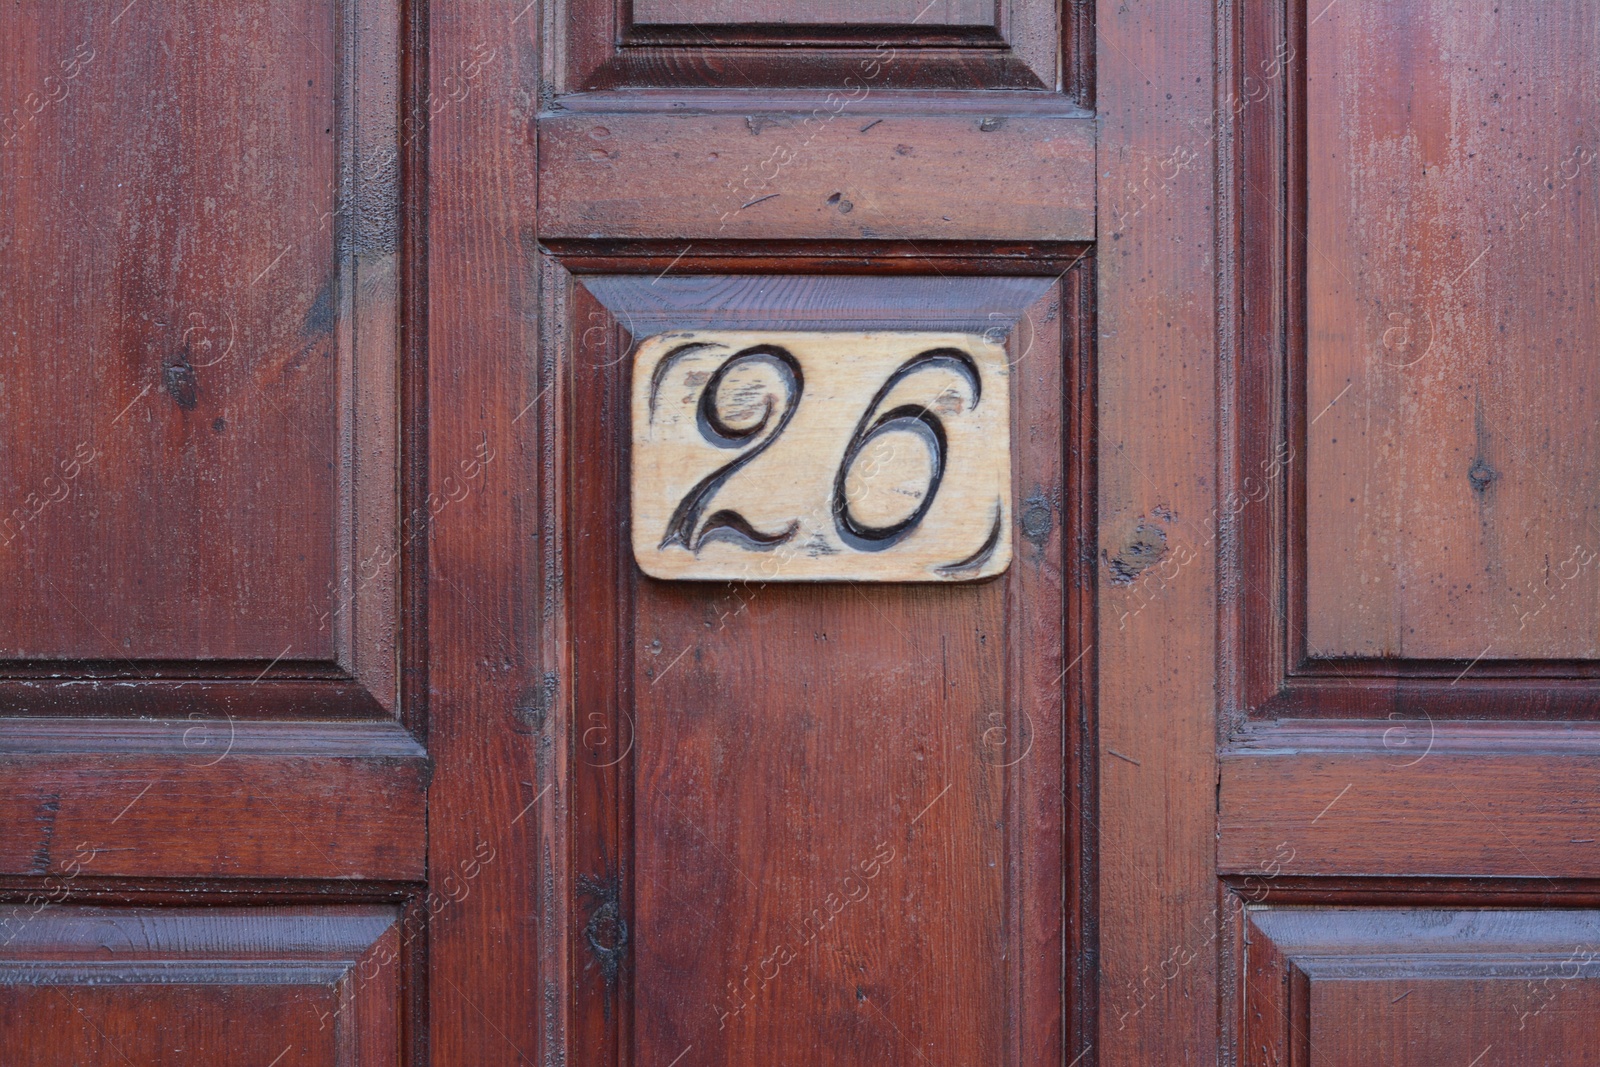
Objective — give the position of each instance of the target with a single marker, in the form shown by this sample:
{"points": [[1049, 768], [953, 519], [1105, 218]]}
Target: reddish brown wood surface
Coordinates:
{"points": [[929, 725], [1379, 581], [1405, 650], [178, 399], [823, 822], [1405, 797], [209, 591], [200, 449], [334, 710], [1154, 555], [496, 729], [1450, 508], [844, 51], [1414, 986], [196, 798], [178, 985], [817, 12], [781, 171]]}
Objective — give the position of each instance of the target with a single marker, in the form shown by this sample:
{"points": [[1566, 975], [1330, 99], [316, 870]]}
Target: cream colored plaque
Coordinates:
{"points": [[786, 456]]}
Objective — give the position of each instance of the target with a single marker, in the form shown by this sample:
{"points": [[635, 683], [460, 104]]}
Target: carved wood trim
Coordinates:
{"points": [[1027, 46], [349, 953]]}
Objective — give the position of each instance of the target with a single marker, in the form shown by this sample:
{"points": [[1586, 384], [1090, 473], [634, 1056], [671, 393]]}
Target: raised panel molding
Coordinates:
{"points": [[788, 14], [204, 517], [215, 985], [650, 827], [1347, 987], [879, 44], [1352, 190]]}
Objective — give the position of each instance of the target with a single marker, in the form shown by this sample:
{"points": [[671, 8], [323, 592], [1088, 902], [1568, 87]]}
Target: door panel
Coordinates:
{"points": [[839, 49], [817, 12], [336, 710], [818, 818], [171, 218], [211, 684], [1450, 511], [1407, 617], [819, 821], [200, 464], [1414, 489], [186, 985], [1419, 986]]}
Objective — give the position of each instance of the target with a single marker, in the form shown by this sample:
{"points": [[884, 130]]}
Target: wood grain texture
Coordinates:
{"points": [[213, 482], [787, 13], [863, 865], [200, 798], [828, 45], [496, 720], [1349, 986], [1157, 331], [789, 456], [805, 168], [183, 985], [206, 403], [1451, 502], [1387, 691], [1411, 797], [1351, 528]]}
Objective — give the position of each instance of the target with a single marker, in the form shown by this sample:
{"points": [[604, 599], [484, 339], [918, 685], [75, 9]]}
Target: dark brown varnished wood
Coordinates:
{"points": [[334, 708], [1488, 799], [784, 16], [495, 728], [197, 798], [1381, 574], [212, 671], [1158, 360], [825, 821], [1442, 294], [1404, 716]]}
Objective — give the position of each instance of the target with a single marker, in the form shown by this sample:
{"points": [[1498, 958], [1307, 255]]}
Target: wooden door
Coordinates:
{"points": [[341, 723], [450, 611], [1347, 637], [819, 812], [213, 831]]}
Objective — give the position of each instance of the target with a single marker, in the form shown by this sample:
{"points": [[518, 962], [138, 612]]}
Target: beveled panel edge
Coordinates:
{"points": [[199, 739], [592, 44]]}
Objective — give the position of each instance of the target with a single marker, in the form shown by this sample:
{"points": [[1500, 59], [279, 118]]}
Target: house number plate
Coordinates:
{"points": [[786, 456]]}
